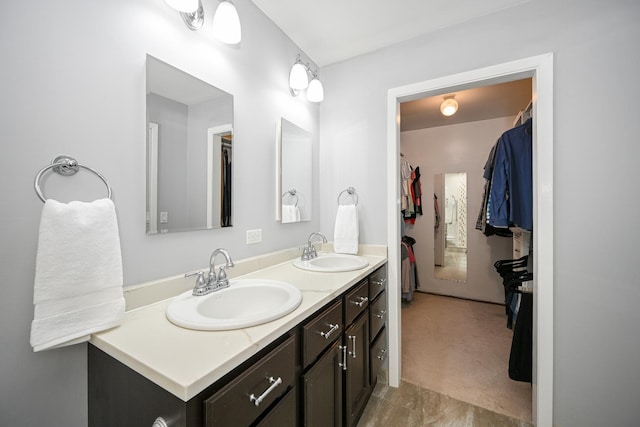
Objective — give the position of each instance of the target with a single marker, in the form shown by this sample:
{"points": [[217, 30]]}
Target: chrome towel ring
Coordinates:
{"points": [[291, 193], [351, 192], [65, 166]]}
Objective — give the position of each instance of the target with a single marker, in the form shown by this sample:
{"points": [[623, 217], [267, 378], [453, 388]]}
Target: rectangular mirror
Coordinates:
{"points": [[189, 151], [294, 154], [450, 232]]}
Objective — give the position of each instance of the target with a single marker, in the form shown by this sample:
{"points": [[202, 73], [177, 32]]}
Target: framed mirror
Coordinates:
{"points": [[189, 152], [450, 232], [294, 173]]}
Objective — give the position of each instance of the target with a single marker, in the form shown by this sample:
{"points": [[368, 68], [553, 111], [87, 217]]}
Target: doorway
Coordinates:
{"points": [[540, 69]]}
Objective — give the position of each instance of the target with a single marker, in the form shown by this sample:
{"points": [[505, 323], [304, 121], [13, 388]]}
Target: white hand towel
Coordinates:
{"points": [[345, 236], [78, 281], [290, 213]]}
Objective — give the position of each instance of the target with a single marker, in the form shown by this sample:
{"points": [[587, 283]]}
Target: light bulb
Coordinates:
{"points": [[449, 107], [187, 6], [315, 92], [226, 23], [298, 78]]}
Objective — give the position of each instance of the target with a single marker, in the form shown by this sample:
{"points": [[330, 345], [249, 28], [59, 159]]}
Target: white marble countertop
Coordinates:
{"points": [[185, 362]]}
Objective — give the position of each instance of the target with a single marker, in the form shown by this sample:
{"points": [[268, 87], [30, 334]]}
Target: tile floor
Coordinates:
{"points": [[413, 406]]}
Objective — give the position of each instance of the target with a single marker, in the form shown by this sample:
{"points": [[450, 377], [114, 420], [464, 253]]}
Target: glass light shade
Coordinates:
{"points": [[315, 92], [187, 6], [449, 107], [298, 78], [226, 24]]}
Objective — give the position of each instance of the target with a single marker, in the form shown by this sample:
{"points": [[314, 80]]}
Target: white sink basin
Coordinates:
{"points": [[332, 263], [246, 302]]}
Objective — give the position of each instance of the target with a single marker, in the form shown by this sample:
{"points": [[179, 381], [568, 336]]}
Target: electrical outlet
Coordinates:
{"points": [[164, 217], [254, 236]]}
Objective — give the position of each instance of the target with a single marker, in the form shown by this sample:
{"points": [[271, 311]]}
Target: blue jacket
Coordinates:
{"points": [[512, 183]]}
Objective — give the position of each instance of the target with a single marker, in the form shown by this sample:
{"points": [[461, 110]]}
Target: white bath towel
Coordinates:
{"points": [[345, 236], [78, 281], [290, 213]]}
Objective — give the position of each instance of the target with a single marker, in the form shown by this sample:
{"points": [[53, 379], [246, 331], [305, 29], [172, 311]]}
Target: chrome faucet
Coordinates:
{"points": [[214, 282], [309, 252], [220, 281]]}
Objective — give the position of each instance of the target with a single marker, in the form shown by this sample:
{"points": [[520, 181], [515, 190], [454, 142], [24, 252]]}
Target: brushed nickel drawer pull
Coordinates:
{"points": [[362, 301], [381, 314], [343, 365], [274, 383], [380, 282], [334, 328]]}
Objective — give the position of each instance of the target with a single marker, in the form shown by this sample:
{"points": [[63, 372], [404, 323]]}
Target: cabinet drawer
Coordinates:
{"points": [[320, 332], [356, 301], [378, 314], [378, 354], [244, 399], [377, 282]]}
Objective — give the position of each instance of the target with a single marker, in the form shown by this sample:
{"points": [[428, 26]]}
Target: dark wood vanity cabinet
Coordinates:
{"points": [[319, 374]]}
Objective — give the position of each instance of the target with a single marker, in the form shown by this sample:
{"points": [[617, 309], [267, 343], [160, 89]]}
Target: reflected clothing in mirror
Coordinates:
{"points": [[225, 219], [189, 155]]}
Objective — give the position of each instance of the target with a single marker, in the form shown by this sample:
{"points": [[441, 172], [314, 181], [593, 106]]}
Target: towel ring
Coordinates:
{"points": [[350, 191], [65, 166], [292, 193]]}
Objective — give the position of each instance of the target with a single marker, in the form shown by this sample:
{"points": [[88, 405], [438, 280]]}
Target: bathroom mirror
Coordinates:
{"points": [[189, 151], [450, 230], [293, 183]]}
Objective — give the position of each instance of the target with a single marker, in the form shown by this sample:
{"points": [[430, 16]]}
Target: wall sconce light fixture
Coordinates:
{"points": [[449, 106], [226, 22], [299, 80], [191, 12]]}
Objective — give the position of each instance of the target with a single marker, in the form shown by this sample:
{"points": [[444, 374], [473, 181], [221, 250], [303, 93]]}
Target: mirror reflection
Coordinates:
{"points": [[450, 232], [294, 184], [189, 151]]}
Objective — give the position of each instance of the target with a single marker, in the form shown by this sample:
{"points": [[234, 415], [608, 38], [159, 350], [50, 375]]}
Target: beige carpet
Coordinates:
{"points": [[461, 349]]}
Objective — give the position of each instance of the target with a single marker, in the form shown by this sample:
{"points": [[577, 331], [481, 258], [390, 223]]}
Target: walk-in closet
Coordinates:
{"points": [[466, 246]]}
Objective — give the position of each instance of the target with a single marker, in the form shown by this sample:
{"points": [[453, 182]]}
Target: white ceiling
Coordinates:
{"points": [[334, 30], [329, 31]]}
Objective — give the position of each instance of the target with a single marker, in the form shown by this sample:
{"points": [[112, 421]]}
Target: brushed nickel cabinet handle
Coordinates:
{"points": [[274, 383], [381, 314], [353, 345], [343, 365], [334, 328], [362, 301]]}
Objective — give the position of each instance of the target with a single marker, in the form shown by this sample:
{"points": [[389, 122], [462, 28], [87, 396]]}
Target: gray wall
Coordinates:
{"points": [[596, 151], [73, 82], [457, 148]]}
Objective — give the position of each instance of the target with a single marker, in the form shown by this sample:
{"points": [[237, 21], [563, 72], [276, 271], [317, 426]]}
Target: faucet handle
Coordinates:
{"points": [[221, 280], [201, 285]]}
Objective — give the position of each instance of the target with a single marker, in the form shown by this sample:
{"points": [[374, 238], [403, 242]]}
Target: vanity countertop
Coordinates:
{"points": [[185, 362]]}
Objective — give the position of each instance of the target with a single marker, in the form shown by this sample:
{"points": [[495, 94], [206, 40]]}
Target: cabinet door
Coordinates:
{"points": [[357, 388], [322, 390], [284, 414]]}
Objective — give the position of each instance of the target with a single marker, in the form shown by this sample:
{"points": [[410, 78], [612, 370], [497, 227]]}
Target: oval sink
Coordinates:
{"points": [[246, 302], [332, 263]]}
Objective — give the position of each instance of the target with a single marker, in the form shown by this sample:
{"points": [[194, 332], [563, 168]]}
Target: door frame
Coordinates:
{"points": [[540, 70]]}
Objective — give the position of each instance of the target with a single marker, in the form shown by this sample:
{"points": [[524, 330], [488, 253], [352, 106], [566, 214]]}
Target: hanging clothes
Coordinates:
{"points": [[511, 192]]}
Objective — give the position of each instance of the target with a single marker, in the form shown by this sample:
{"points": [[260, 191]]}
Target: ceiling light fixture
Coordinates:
{"points": [[226, 22], [449, 106], [299, 80]]}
